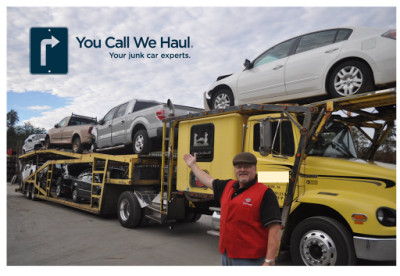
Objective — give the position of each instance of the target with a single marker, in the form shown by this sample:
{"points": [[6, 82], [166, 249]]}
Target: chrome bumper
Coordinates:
{"points": [[375, 249]]}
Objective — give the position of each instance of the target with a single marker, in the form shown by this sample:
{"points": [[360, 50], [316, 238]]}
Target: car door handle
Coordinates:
{"points": [[277, 67], [122, 121], [331, 50], [109, 125]]}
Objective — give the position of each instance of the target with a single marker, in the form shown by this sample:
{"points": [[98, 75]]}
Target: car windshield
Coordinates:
{"points": [[335, 141]]}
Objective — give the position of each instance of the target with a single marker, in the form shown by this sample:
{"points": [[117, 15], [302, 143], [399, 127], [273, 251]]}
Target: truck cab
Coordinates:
{"points": [[336, 207]]}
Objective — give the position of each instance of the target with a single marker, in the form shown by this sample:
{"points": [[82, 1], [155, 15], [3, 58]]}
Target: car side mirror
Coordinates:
{"points": [[29, 140], [56, 125], [101, 122], [265, 137], [247, 63]]}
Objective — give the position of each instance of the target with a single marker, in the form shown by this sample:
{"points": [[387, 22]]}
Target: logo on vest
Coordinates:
{"points": [[247, 202]]}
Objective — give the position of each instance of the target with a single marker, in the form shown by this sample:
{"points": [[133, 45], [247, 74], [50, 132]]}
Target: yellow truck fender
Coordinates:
{"points": [[352, 207]]}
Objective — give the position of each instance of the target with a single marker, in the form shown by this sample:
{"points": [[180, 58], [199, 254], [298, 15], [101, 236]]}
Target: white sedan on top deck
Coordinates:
{"points": [[335, 62]]}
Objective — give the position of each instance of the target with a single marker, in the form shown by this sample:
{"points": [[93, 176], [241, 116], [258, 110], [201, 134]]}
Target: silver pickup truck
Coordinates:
{"points": [[137, 123]]}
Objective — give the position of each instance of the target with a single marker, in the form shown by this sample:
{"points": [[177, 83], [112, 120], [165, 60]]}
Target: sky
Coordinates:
{"points": [[221, 38]]}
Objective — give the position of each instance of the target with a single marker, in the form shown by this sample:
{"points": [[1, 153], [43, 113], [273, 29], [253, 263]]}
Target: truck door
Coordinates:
{"points": [[118, 126], [57, 131], [67, 130], [104, 130], [281, 160], [266, 78]]}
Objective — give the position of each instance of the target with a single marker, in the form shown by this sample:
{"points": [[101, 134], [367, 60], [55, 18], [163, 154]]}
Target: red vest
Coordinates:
{"points": [[241, 233]]}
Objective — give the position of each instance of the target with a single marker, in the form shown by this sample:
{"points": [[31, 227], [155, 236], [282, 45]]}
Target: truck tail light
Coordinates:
{"points": [[160, 114], [390, 34], [90, 130]]}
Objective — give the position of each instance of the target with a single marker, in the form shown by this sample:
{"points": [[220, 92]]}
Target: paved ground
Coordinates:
{"points": [[45, 233]]}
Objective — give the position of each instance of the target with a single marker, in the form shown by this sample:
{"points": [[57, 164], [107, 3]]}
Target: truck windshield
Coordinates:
{"points": [[335, 141]]}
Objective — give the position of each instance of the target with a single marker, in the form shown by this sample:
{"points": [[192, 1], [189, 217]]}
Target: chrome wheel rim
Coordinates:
{"points": [[58, 191], [348, 81], [318, 248], [222, 101], [124, 210], [75, 195], [139, 142]]}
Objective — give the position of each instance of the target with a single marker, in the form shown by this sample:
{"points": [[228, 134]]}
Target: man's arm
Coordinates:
{"points": [[274, 237], [201, 175]]}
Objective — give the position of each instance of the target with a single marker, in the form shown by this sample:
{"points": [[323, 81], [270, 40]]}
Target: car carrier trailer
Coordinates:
{"points": [[335, 208]]}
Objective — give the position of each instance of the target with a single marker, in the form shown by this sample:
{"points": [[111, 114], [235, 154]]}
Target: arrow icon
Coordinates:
{"points": [[53, 42]]}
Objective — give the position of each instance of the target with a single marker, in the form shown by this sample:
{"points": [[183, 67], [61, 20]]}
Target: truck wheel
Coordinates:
{"points": [[75, 195], [350, 78], [59, 191], [222, 99], [321, 241], [28, 191], [47, 144], [77, 145], [33, 193], [129, 211], [141, 142]]}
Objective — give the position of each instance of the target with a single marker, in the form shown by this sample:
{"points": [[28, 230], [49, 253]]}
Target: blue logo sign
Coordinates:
{"points": [[49, 50]]}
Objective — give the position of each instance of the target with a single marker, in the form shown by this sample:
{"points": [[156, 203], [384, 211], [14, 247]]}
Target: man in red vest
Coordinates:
{"points": [[250, 214]]}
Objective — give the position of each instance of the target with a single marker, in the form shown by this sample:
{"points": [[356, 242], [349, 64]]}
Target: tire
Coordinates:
{"points": [[321, 241], [191, 217], [350, 78], [47, 144], [129, 212], [196, 217], [75, 195], [28, 191], [33, 193], [222, 99], [77, 145], [141, 142], [59, 190]]}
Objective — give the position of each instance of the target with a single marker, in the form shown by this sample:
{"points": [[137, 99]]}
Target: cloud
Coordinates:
{"points": [[222, 38], [39, 107]]}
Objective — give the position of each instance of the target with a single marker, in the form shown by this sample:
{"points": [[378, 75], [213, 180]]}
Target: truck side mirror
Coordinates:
{"points": [[265, 137], [248, 64]]}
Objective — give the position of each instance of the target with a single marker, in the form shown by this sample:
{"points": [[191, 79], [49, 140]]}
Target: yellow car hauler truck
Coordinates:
{"points": [[336, 207]]}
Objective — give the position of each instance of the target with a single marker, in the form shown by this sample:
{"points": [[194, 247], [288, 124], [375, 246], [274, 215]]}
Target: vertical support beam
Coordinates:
{"points": [[287, 204]]}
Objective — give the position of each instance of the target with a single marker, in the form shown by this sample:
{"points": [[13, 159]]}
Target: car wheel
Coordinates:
{"points": [[47, 144], [141, 142], [129, 211], [222, 99], [75, 195], [28, 191], [59, 191], [77, 145], [33, 193], [350, 78], [321, 241]]}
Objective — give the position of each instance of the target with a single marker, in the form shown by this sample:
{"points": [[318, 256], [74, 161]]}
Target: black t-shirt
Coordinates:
{"points": [[269, 209]]}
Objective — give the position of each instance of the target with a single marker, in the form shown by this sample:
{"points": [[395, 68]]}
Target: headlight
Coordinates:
{"points": [[386, 216]]}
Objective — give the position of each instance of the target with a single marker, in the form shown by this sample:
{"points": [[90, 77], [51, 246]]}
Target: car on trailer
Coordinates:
{"points": [[336, 62], [33, 142], [74, 131]]}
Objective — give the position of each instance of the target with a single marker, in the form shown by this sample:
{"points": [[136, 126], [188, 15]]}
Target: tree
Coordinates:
{"points": [[12, 118], [386, 152], [16, 134]]}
